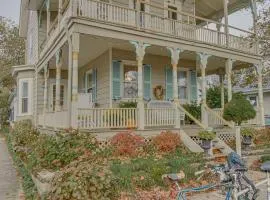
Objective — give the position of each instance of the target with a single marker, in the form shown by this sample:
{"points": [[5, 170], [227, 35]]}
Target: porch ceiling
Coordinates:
{"points": [[92, 47], [214, 9]]}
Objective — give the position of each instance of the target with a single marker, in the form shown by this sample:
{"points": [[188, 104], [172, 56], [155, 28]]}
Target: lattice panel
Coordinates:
{"points": [[226, 137]]}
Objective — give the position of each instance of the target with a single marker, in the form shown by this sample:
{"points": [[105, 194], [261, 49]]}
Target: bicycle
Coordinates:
{"points": [[230, 181]]}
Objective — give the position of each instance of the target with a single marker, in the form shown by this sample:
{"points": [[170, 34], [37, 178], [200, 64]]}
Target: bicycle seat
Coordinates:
{"points": [[241, 169], [174, 177], [266, 166]]}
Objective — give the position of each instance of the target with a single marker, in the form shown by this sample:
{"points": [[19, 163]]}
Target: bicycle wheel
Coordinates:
{"points": [[244, 183]]}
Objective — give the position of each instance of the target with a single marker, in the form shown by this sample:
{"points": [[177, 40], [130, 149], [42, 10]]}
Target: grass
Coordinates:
{"points": [[27, 182], [146, 173]]}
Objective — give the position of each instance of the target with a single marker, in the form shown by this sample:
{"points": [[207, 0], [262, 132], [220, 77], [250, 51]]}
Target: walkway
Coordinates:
{"points": [[9, 182]]}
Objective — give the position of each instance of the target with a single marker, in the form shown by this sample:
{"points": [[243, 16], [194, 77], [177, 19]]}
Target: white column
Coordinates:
{"points": [[75, 65], [226, 28], [58, 80], [48, 16], [229, 66], [238, 140], [259, 69], [221, 80], [45, 96], [140, 52], [60, 8], [203, 64], [175, 55]]}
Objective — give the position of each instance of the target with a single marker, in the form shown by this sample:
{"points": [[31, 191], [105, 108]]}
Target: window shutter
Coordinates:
{"points": [[169, 83], [116, 80], [193, 86], [147, 73], [94, 85]]}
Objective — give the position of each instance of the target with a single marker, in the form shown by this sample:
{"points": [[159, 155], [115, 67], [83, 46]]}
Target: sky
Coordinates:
{"points": [[11, 9]]}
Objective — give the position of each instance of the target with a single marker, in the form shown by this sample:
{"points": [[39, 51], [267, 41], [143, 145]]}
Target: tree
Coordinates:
{"points": [[213, 97], [239, 109], [12, 50]]}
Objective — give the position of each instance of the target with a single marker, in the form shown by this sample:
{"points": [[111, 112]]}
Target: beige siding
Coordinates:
{"points": [[40, 94], [266, 99], [32, 39], [102, 64]]}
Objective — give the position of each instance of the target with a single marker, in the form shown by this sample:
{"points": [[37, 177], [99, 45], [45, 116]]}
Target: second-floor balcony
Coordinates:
{"points": [[183, 25]]}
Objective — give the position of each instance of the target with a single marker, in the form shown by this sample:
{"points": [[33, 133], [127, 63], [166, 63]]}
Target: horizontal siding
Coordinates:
{"points": [[102, 65]]}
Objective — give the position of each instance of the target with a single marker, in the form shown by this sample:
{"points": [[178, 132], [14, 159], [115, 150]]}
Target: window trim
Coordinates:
{"points": [[122, 78], [187, 70], [90, 71], [250, 96], [29, 96]]}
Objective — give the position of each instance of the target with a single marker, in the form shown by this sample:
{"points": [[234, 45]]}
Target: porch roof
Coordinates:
{"points": [[20, 68]]}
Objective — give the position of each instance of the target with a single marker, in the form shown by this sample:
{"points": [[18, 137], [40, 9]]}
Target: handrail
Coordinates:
{"points": [[230, 124], [180, 107]]}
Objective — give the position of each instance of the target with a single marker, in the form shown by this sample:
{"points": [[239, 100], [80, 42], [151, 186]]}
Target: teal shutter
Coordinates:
{"points": [[169, 83], [116, 80], [193, 86], [147, 69], [94, 85]]}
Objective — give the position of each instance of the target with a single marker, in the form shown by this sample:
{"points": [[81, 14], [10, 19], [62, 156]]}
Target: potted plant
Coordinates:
{"points": [[247, 135], [207, 137]]}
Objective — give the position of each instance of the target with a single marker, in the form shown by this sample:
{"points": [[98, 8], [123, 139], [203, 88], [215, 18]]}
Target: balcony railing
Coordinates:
{"points": [[187, 26]]}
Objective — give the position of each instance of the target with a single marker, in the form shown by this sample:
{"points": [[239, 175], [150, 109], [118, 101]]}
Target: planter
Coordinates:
{"points": [[206, 144], [247, 140]]}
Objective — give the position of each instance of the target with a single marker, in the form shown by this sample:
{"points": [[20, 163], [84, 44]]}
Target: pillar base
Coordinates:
{"points": [[140, 107]]}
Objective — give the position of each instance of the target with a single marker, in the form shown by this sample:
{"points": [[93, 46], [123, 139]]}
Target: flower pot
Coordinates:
{"points": [[247, 140], [206, 144]]}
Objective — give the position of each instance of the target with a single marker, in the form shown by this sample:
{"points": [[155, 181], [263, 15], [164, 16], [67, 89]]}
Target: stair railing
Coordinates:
{"points": [[181, 108]]}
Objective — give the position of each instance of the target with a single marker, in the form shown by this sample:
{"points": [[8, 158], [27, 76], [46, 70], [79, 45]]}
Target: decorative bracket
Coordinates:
{"points": [[140, 49], [203, 59], [58, 56], [175, 54]]}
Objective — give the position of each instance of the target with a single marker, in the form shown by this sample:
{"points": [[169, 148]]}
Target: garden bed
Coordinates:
{"points": [[74, 166]]}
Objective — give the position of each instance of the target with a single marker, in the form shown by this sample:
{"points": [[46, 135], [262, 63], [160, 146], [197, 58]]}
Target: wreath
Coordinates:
{"points": [[159, 92]]}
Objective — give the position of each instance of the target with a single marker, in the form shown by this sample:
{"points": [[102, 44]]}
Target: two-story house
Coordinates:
{"points": [[87, 56]]}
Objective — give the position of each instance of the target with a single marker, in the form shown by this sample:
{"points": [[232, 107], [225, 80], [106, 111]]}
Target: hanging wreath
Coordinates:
{"points": [[159, 92]]}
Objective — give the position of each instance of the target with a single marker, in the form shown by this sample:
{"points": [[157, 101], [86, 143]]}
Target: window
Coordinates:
{"points": [[130, 83], [89, 82], [172, 12], [253, 100], [61, 96], [182, 84], [24, 97]]}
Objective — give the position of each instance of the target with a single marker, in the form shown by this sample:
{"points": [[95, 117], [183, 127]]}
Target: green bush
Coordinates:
{"points": [[129, 104], [24, 134], [84, 180], [213, 97], [265, 158], [238, 110], [207, 135], [194, 109], [249, 132]]}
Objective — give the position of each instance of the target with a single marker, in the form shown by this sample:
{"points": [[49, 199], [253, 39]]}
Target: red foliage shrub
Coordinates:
{"points": [[167, 141], [127, 143]]}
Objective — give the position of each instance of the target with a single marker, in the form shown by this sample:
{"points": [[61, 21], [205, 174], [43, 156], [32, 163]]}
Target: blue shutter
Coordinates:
{"points": [[169, 83], [147, 69], [193, 86], [94, 85], [116, 80]]}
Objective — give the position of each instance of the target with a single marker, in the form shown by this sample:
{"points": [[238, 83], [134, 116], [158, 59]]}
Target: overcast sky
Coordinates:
{"points": [[11, 9]]}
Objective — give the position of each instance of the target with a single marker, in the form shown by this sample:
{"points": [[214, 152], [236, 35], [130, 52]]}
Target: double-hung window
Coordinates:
{"points": [[25, 96], [182, 85], [130, 83], [61, 96]]}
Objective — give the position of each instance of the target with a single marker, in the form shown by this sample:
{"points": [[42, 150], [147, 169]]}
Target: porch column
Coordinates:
{"points": [[226, 28], [48, 16], [229, 65], [60, 7], [58, 80], [45, 96], [203, 64], [221, 80], [69, 92], [75, 65], [140, 52], [175, 54], [259, 69]]}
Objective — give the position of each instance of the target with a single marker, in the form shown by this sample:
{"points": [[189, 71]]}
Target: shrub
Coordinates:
{"points": [[194, 109], [265, 158], [167, 141], [213, 97], [24, 134], [207, 135], [127, 143], [54, 152], [262, 137], [249, 132], [238, 110], [84, 180], [128, 104]]}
